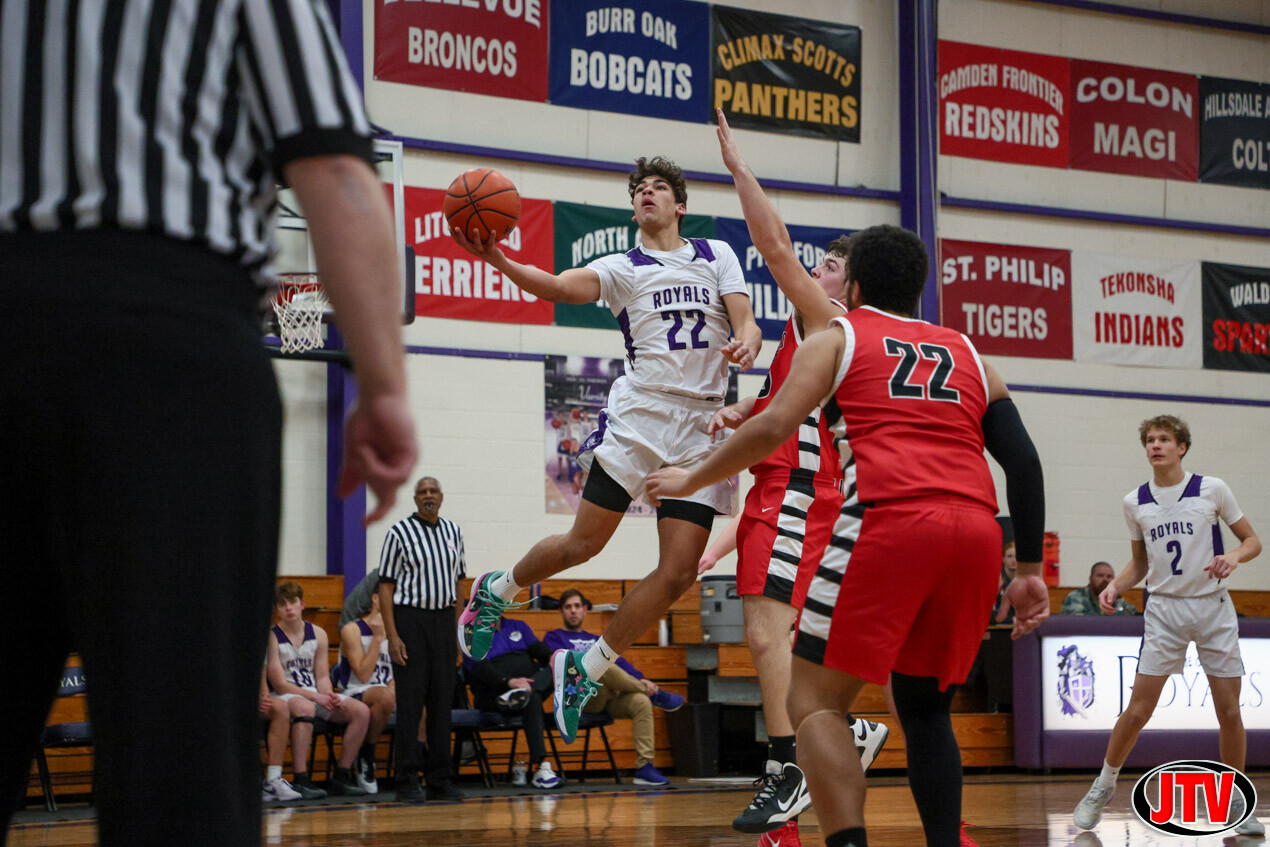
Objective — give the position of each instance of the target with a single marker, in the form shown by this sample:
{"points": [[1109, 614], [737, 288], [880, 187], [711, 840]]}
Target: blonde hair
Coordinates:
{"points": [[1169, 423]]}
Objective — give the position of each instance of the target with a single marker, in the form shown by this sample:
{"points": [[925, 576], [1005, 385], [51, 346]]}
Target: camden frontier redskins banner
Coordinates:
{"points": [[1236, 317], [774, 72]]}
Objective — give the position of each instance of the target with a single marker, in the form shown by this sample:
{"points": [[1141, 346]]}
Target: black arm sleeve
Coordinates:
{"points": [[1007, 440]]}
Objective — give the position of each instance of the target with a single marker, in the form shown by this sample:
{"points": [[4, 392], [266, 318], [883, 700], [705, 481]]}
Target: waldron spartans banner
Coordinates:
{"points": [[1236, 318]]}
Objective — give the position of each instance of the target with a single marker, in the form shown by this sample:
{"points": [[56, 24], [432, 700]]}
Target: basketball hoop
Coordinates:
{"points": [[298, 306]]}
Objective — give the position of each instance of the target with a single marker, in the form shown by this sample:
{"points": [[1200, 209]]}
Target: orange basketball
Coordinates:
{"points": [[482, 202]]}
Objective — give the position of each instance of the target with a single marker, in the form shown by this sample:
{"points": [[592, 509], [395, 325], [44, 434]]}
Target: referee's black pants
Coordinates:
{"points": [[426, 681], [140, 436]]}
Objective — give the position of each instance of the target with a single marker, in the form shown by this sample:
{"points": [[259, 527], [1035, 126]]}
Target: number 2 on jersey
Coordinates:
{"points": [[698, 343], [1174, 547], [934, 388]]}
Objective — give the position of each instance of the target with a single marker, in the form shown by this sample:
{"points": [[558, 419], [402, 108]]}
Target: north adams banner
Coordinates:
{"points": [[1234, 132], [774, 72], [1236, 317]]}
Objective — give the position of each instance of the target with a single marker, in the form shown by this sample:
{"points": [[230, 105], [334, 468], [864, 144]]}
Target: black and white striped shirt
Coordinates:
{"points": [[169, 116], [425, 561]]}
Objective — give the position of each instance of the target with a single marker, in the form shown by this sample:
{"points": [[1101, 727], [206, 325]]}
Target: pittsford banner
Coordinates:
{"points": [[647, 58], [494, 47], [1234, 132], [1008, 300], [1134, 121], [1129, 311], [1002, 105], [794, 75], [1236, 318], [452, 283]]}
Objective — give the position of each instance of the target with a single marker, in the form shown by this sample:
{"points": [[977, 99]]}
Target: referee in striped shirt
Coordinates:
{"points": [[419, 568], [141, 145]]}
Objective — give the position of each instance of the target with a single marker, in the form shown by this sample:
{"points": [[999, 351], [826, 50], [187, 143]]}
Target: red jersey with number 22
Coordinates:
{"points": [[911, 396]]}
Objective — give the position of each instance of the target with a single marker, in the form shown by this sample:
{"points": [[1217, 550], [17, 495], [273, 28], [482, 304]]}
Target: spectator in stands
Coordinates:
{"points": [[275, 711], [1084, 600], [299, 669], [512, 677], [626, 693], [1009, 564], [365, 673]]}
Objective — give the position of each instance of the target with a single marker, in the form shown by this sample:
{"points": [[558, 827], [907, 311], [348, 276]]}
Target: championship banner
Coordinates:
{"points": [[1234, 132], [1134, 121], [1236, 318], [647, 59], [452, 283], [584, 233], [1003, 105], [1129, 311], [486, 47], [1009, 301], [774, 72], [771, 308]]}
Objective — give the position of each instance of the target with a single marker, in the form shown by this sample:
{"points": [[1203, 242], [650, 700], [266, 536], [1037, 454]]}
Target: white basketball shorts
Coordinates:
{"points": [[1172, 623]]}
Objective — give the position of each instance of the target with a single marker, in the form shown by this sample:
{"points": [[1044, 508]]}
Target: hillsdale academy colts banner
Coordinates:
{"points": [[647, 58], [1236, 318], [774, 72], [452, 283], [1129, 311], [1234, 132], [494, 47]]}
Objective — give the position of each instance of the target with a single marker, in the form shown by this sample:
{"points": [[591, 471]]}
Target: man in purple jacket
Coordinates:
{"points": [[625, 692]]}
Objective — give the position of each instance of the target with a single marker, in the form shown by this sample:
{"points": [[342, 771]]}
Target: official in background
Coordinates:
{"points": [[419, 568], [141, 145]]}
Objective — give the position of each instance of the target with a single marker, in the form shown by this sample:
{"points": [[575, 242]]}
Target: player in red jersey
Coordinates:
{"points": [[919, 407]]}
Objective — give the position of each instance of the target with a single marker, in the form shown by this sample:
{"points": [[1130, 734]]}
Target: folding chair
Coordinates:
{"points": [[587, 722]]}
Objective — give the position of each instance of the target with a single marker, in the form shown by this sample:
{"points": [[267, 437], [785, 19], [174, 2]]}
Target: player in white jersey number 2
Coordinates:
{"points": [[1177, 546], [685, 313]]}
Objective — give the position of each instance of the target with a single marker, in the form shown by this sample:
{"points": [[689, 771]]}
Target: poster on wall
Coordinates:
{"points": [[1234, 132], [784, 74], [771, 308], [1008, 300], [1236, 317], [650, 58], [452, 283], [1003, 105], [1130, 311], [497, 48], [1134, 121]]}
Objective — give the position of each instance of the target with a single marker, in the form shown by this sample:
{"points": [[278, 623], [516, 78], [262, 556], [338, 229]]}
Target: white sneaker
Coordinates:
{"points": [[278, 790], [545, 777], [869, 738], [1089, 810], [365, 773], [1252, 826]]}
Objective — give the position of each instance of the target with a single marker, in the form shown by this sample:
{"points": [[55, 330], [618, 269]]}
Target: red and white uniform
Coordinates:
{"points": [[916, 561], [795, 500]]}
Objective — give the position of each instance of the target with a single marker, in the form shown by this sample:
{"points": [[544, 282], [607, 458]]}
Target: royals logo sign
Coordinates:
{"points": [[1195, 797], [1075, 681]]}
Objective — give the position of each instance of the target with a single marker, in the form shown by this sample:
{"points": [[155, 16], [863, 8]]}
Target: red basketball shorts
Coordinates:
{"points": [[786, 524], [905, 586]]}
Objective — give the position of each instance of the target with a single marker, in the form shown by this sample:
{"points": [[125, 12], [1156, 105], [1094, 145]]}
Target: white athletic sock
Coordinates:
{"points": [[273, 772], [1108, 775], [504, 585], [598, 659]]}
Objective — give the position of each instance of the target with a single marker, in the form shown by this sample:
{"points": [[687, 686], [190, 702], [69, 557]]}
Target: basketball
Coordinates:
{"points": [[482, 203], [556, 423]]}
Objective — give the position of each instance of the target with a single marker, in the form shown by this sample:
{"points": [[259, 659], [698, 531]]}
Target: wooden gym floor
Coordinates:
{"points": [[1010, 809]]}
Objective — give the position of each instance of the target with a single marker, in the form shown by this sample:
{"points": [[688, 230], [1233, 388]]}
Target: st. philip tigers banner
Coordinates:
{"points": [[1008, 300], [774, 72], [771, 308], [1130, 311], [584, 233], [647, 58], [1236, 318], [1003, 105], [452, 283], [1234, 132]]}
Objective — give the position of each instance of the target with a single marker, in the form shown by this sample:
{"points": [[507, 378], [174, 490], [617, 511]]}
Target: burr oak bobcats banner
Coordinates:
{"points": [[1010, 301], [774, 72], [1236, 317], [1130, 311], [1234, 132]]}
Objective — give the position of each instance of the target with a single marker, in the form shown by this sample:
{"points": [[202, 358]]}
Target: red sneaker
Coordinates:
{"points": [[966, 840], [786, 836]]}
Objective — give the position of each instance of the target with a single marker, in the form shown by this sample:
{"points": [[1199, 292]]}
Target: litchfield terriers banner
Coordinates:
{"points": [[1010, 301], [1134, 121], [585, 233], [771, 308], [1129, 311], [647, 58], [1236, 318], [452, 283], [1234, 132], [775, 72], [1002, 105], [494, 47]]}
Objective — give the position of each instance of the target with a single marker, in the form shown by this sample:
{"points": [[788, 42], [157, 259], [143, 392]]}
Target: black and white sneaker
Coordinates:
{"points": [[782, 796], [869, 738]]}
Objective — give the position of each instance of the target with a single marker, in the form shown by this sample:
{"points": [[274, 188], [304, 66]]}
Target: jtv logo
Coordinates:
{"points": [[1193, 797]]}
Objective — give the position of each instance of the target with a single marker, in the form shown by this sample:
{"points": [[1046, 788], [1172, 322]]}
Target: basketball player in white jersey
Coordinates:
{"points": [[1177, 545], [364, 673], [684, 311]]}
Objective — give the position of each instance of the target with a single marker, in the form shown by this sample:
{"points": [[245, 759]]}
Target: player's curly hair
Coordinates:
{"points": [[288, 591], [1169, 423], [890, 264], [662, 167]]}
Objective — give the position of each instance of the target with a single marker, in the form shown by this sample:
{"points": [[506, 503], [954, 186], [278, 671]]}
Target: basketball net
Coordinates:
{"points": [[299, 305]]}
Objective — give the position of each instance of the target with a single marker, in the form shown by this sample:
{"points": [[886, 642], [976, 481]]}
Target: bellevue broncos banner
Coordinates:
{"points": [[1234, 132], [1236, 318]]}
